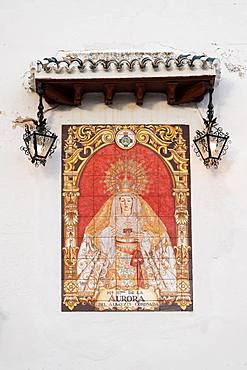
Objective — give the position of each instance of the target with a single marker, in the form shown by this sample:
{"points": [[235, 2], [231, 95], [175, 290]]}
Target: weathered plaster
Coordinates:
{"points": [[233, 57]]}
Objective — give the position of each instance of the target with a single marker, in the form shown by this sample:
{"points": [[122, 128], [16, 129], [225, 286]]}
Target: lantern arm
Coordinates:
{"points": [[42, 121], [210, 121], [40, 142], [211, 143]]}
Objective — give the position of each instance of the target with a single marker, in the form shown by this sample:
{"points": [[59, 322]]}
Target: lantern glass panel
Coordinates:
{"points": [[29, 141], [202, 146], [43, 143], [216, 144]]}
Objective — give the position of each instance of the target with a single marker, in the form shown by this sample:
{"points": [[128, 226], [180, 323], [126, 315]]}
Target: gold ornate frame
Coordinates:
{"points": [[169, 142]]}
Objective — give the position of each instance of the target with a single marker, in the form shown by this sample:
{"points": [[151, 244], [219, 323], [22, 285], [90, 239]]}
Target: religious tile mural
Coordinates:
{"points": [[126, 219]]}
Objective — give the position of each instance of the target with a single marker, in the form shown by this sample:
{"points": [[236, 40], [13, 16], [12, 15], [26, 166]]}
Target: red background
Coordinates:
{"points": [[92, 190]]}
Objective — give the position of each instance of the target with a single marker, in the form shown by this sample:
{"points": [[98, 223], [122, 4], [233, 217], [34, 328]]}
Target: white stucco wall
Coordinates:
{"points": [[34, 334]]}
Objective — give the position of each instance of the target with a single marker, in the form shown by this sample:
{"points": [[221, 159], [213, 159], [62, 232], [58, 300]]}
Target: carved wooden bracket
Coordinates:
{"points": [[171, 92], [179, 90], [140, 92], [109, 93]]}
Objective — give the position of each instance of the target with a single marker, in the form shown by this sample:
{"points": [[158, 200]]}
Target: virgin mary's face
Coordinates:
{"points": [[126, 203]]}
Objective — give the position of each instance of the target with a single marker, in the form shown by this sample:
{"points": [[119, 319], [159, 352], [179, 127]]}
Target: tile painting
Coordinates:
{"points": [[126, 218]]}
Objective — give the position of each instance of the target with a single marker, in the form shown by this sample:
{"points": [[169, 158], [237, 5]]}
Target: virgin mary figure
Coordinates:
{"points": [[126, 246]]}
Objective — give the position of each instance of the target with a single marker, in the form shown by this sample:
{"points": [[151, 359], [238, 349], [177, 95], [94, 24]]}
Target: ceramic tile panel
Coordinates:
{"points": [[126, 222]]}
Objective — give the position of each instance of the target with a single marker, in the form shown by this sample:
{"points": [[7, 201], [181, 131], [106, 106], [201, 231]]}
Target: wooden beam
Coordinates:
{"points": [[193, 93], [55, 95], [179, 89]]}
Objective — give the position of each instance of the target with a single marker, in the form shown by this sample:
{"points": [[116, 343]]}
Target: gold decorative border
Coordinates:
{"points": [[168, 142]]}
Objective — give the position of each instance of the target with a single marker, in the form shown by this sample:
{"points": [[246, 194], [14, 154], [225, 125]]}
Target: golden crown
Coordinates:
{"points": [[126, 176]]}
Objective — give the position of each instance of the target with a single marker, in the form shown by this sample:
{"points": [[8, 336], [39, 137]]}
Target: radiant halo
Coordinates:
{"points": [[126, 176]]}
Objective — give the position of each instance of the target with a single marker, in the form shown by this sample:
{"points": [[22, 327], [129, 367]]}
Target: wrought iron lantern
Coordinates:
{"points": [[40, 142], [211, 143]]}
